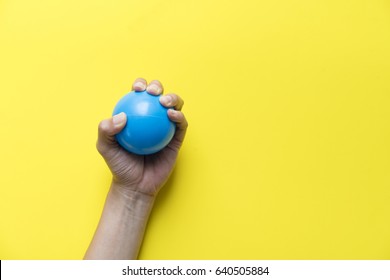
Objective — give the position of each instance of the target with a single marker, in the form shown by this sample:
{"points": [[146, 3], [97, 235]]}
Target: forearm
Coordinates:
{"points": [[122, 225]]}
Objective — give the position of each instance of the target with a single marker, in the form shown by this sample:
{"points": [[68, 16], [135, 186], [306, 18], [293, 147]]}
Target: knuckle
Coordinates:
{"points": [[99, 148], [174, 98], [101, 126]]}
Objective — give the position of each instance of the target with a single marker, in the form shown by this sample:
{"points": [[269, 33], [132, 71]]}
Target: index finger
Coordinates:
{"points": [[139, 84]]}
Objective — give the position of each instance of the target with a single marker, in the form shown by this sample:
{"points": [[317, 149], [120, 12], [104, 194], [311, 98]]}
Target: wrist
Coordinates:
{"points": [[139, 186], [139, 203]]}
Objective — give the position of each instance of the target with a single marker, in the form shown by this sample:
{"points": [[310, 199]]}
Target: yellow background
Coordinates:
{"points": [[287, 154]]}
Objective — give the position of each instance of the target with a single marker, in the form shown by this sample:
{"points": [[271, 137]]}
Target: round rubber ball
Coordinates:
{"points": [[148, 128]]}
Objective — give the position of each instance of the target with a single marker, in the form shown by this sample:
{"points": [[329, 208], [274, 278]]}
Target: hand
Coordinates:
{"points": [[143, 174]]}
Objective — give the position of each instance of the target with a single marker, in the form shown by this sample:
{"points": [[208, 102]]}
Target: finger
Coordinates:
{"points": [[181, 126], [155, 87], [172, 100], [107, 130], [139, 84]]}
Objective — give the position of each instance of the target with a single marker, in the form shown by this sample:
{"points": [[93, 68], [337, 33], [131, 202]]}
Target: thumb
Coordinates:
{"points": [[107, 130]]}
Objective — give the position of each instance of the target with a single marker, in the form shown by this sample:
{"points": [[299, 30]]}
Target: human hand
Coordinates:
{"points": [[140, 173]]}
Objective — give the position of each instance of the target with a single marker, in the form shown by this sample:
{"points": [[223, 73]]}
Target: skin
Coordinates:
{"points": [[136, 181]]}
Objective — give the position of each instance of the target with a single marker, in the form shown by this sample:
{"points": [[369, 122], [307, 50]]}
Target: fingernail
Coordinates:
{"points": [[154, 89], [119, 119], [166, 99], [173, 112], [140, 85]]}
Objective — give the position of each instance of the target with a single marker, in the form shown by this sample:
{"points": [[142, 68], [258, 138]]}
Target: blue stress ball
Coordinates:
{"points": [[148, 128]]}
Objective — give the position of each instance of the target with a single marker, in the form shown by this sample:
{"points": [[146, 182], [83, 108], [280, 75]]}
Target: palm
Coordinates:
{"points": [[143, 173]]}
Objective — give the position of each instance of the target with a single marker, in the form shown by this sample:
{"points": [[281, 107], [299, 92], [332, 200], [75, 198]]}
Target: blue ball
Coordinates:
{"points": [[148, 128]]}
